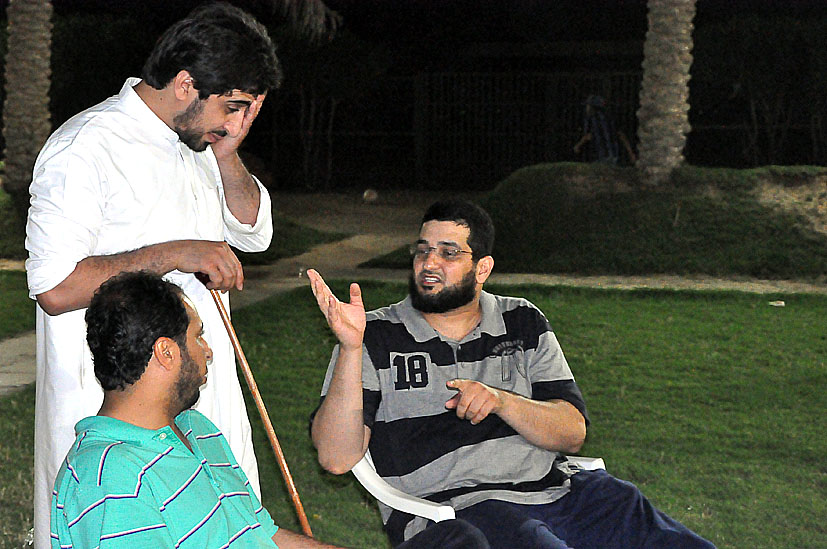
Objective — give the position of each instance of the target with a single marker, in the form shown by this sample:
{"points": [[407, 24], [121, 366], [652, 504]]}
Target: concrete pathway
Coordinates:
{"points": [[378, 227]]}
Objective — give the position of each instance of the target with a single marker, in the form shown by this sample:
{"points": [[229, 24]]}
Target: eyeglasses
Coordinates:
{"points": [[448, 253]]}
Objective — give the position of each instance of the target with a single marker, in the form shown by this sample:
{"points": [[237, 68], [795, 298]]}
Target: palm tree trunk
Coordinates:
{"points": [[663, 120], [26, 111]]}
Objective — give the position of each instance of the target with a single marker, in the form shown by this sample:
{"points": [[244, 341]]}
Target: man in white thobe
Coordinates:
{"points": [[151, 180]]}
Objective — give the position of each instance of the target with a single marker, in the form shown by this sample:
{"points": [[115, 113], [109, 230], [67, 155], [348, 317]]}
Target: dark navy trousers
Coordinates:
{"points": [[448, 534], [600, 512]]}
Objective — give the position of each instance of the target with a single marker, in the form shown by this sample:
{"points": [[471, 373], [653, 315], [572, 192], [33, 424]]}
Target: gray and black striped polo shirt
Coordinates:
{"points": [[422, 448]]}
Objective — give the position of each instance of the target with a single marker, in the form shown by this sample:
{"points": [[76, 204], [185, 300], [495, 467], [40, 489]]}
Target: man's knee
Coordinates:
{"points": [[448, 534], [536, 534]]}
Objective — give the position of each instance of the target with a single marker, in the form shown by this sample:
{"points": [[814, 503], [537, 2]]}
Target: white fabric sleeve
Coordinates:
{"points": [[245, 237], [67, 210]]}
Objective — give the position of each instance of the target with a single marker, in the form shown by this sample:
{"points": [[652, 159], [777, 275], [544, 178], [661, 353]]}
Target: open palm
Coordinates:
{"points": [[347, 320]]}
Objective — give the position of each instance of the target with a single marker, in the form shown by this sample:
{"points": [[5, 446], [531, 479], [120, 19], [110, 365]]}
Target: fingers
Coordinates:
{"points": [[252, 112], [218, 263], [320, 290], [474, 402], [257, 104], [356, 295]]}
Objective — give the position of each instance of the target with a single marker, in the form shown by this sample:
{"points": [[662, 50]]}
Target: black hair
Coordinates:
{"points": [[222, 47], [128, 313], [468, 214]]}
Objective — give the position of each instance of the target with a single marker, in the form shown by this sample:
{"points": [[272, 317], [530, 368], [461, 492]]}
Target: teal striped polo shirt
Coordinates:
{"points": [[125, 486]]}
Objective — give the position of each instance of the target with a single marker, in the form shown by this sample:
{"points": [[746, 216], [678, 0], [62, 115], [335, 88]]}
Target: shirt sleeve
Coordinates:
{"points": [[67, 210], [549, 372], [245, 237]]}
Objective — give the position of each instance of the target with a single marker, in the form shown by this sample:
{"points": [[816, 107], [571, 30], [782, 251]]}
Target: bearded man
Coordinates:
{"points": [[464, 397]]}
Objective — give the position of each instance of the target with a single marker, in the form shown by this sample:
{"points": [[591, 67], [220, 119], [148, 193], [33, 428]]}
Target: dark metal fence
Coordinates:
{"points": [[470, 130], [473, 129]]}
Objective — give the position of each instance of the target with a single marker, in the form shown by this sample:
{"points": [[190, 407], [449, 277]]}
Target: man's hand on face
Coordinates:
{"points": [[346, 320], [474, 401], [228, 146]]}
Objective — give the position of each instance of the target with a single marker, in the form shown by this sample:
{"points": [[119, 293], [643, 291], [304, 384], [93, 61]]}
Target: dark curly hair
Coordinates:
{"points": [[467, 214], [222, 47], [128, 313]]}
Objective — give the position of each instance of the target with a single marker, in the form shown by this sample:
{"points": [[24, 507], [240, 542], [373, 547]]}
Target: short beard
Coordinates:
{"points": [[450, 298], [187, 386], [182, 122]]}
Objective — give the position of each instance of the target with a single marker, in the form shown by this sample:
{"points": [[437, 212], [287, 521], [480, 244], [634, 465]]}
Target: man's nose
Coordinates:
{"points": [[233, 123], [431, 259]]}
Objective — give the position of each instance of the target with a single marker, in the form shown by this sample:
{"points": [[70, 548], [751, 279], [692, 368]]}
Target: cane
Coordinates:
{"points": [[268, 425]]}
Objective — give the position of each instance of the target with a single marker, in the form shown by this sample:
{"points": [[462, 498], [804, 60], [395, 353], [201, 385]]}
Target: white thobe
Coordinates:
{"points": [[115, 178]]}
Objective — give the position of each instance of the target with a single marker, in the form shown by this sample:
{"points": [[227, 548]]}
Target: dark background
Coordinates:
{"points": [[458, 93]]}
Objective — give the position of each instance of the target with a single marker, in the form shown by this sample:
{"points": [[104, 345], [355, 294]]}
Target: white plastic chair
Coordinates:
{"points": [[365, 472]]}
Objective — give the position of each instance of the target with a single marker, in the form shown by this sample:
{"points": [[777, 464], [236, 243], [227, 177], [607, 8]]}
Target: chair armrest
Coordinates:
{"points": [[365, 473], [395, 498], [587, 463]]}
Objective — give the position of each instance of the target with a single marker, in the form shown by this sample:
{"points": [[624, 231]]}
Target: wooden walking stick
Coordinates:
{"points": [[265, 418]]}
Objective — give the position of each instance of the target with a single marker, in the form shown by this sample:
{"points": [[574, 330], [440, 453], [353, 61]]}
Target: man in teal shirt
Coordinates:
{"points": [[147, 471]]}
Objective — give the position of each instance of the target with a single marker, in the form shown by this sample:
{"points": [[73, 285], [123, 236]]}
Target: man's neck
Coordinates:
{"points": [[456, 323], [160, 102], [130, 408]]}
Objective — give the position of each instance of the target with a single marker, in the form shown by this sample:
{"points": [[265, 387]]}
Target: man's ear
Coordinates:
{"points": [[166, 352], [184, 87], [484, 267]]}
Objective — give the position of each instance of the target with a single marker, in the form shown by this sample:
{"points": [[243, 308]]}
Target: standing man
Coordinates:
{"points": [[465, 398], [149, 179]]}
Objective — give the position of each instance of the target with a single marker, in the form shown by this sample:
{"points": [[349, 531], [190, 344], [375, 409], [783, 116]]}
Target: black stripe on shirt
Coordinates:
{"points": [[403, 446], [565, 389]]}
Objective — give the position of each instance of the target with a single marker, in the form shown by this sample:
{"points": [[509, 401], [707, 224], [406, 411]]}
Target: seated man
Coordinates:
{"points": [[465, 398], [147, 471]]}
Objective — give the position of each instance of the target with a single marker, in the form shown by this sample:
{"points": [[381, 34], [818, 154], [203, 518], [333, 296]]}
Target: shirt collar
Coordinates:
{"points": [[139, 110], [127, 432], [492, 319]]}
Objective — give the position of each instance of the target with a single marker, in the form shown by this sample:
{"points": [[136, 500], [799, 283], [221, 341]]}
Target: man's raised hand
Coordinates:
{"points": [[347, 320]]}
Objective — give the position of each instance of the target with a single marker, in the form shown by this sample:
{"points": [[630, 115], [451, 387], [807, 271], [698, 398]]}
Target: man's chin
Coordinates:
{"points": [[198, 147]]}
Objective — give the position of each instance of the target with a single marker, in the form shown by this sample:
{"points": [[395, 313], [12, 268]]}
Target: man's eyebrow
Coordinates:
{"points": [[440, 243], [245, 102]]}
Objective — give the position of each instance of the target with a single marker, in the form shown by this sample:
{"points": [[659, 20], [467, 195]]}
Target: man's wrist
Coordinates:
{"points": [[350, 349]]}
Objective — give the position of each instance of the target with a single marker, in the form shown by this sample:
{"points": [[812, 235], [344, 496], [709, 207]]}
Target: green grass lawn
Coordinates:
{"points": [[12, 233], [710, 402], [18, 310]]}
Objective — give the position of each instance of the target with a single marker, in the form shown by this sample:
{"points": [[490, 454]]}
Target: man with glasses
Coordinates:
{"points": [[464, 397]]}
